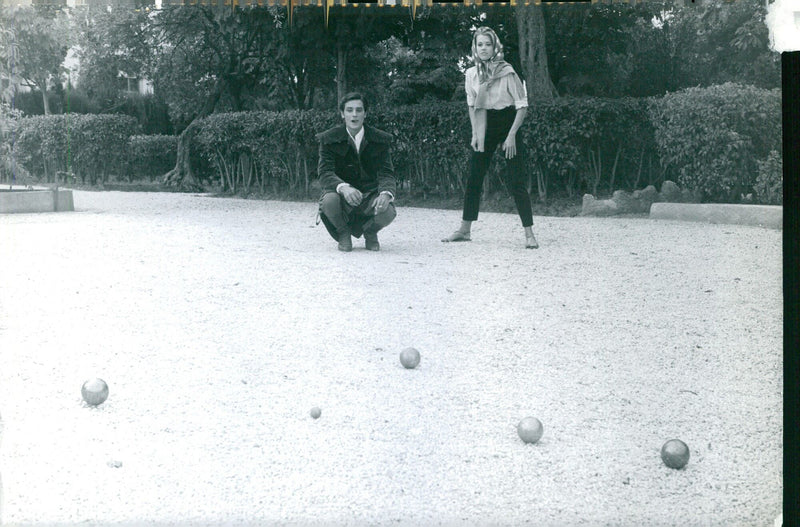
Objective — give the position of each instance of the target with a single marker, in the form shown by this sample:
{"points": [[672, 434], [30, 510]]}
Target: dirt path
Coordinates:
{"points": [[219, 323]]}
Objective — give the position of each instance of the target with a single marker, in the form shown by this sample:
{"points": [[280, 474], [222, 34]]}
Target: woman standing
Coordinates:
{"points": [[497, 106]]}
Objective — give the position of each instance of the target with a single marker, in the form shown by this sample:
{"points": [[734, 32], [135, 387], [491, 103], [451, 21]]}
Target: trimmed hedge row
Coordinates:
{"points": [[723, 141], [573, 145], [91, 148], [713, 139], [72, 147], [150, 156]]}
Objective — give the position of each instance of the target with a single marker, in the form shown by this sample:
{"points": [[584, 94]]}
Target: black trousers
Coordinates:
{"points": [[498, 123]]}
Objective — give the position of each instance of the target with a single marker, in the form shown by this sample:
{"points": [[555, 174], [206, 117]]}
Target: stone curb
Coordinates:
{"points": [[21, 201], [769, 216]]}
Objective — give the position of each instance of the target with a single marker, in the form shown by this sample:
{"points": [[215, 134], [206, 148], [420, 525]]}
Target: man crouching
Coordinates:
{"points": [[357, 177]]}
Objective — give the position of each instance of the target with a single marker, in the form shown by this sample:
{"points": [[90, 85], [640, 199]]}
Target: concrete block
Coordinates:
{"points": [[769, 216], [12, 201]]}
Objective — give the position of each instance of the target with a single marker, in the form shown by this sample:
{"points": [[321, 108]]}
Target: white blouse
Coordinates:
{"points": [[506, 91]]}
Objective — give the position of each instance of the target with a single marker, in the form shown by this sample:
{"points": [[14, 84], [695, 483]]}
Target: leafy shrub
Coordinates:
{"points": [[709, 139], [590, 144], [571, 143], [151, 156], [87, 147], [769, 183], [30, 103]]}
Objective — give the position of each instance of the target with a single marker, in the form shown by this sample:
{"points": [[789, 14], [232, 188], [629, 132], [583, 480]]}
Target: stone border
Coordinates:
{"points": [[770, 216]]}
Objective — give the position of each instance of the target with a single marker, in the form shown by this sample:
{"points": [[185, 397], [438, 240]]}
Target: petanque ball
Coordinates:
{"points": [[530, 430], [315, 412], [94, 391], [409, 358], [675, 453]]}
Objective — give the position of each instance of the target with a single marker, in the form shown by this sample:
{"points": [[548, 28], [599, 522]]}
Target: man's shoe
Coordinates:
{"points": [[345, 241], [371, 241]]}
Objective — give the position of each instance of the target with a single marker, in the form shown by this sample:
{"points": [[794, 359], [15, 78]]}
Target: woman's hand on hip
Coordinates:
{"points": [[510, 146]]}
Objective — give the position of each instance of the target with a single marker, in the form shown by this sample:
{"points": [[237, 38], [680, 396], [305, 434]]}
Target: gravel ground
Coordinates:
{"points": [[219, 323]]}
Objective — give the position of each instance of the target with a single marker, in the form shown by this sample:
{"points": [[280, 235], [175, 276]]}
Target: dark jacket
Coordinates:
{"points": [[368, 170]]}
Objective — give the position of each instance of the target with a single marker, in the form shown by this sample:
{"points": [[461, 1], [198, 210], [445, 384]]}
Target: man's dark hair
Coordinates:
{"points": [[352, 96]]}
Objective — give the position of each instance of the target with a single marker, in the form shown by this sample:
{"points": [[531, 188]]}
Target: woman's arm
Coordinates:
{"points": [[510, 144], [474, 142]]}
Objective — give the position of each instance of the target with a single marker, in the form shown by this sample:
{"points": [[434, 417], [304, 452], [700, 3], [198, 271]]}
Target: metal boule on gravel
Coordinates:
{"points": [[94, 391], [315, 412], [675, 453], [530, 430], [409, 358]]}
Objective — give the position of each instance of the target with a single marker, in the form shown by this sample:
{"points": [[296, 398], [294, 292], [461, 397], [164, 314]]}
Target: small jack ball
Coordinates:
{"points": [[675, 453], [409, 358], [94, 391], [315, 412], [530, 429]]}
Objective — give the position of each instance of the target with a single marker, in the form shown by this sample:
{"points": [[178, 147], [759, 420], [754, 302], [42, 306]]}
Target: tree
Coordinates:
{"points": [[533, 51], [418, 60], [208, 58], [302, 64], [354, 35], [111, 42], [40, 37]]}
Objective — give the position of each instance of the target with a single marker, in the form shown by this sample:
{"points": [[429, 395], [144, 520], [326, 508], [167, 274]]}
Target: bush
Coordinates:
{"points": [[151, 156], [572, 144], [589, 144], [30, 103], [769, 183], [710, 139], [85, 147]]}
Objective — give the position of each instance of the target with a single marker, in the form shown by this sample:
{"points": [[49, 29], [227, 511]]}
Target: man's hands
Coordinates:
{"points": [[354, 197], [382, 203], [351, 195]]}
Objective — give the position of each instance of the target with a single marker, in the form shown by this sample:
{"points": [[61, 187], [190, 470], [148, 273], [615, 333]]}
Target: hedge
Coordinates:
{"points": [[150, 156], [89, 148], [573, 145], [722, 141], [712, 139]]}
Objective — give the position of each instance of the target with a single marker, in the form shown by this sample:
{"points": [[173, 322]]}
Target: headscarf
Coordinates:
{"points": [[497, 55]]}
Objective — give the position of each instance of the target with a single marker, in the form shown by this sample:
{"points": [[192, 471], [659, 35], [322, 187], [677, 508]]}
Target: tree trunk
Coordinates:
{"points": [[45, 101], [533, 52], [182, 175], [341, 64]]}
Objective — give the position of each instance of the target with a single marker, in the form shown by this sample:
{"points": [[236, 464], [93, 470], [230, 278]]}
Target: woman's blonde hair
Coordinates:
{"points": [[483, 67]]}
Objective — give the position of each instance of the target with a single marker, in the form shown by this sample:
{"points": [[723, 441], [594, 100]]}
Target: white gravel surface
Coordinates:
{"points": [[219, 323]]}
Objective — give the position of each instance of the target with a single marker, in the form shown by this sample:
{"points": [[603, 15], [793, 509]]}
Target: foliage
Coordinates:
{"points": [[769, 182], [709, 139], [303, 65], [31, 103], [658, 46], [111, 43], [418, 60], [271, 151], [41, 41], [210, 58], [589, 145], [10, 170], [572, 145], [150, 156], [69, 147]]}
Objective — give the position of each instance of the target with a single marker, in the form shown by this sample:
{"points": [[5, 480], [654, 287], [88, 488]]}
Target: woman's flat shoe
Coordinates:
{"points": [[530, 242], [458, 236]]}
